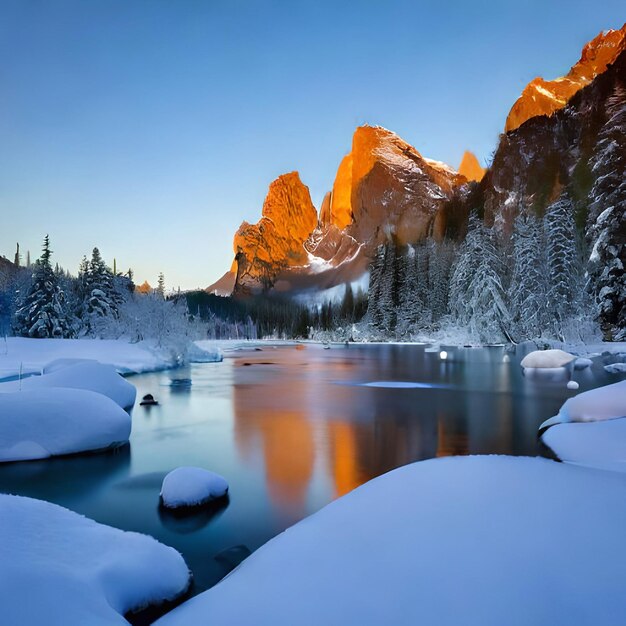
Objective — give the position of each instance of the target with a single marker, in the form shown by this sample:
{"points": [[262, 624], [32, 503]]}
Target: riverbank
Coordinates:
{"points": [[21, 356]]}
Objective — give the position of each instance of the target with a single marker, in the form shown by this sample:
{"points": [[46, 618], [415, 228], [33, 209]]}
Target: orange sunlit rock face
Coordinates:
{"points": [[385, 186], [144, 288], [541, 97], [263, 249], [470, 167]]}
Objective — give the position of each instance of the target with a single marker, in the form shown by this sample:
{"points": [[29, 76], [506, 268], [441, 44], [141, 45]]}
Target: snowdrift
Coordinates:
{"points": [[479, 541], [59, 568], [39, 423]]}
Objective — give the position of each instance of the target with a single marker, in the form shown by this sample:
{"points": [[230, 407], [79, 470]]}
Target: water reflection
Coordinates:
{"points": [[185, 521], [302, 420]]}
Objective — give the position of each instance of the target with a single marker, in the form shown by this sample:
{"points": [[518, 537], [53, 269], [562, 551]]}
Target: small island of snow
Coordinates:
{"points": [[192, 486]]}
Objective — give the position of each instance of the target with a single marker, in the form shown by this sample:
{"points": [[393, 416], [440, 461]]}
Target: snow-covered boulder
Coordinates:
{"points": [[582, 363], [448, 541], [39, 423], [588, 429], [192, 486], [59, 568], [615, 368], [547, 359], [81, 374]]}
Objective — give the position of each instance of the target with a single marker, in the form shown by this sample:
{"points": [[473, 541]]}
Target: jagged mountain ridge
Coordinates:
{"points": [[544, 97], [383, 186]]}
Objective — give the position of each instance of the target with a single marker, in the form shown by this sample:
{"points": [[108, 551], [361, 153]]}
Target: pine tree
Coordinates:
{"points": [[160, 290], [606, 224], [527, 291], [99, 292], [17, 256], [28, 258], [564, 265], [42, 313]]}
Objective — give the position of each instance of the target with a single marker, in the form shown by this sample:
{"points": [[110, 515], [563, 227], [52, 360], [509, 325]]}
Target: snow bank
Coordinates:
{"points": [[594, 444], [479, 541], [39, 423], [204, 352], [539, 359], [80, 374], [32, 355], [192, 486], [59, 568], [587, 429]]}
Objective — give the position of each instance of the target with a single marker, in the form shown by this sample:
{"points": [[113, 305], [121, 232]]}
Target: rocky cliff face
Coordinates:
{"points": [[385, 186], [549, 156], [542, 97], [276, 242]]}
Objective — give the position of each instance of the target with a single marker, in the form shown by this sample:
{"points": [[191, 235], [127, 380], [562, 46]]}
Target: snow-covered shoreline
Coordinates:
{"points": [[21, 356]]}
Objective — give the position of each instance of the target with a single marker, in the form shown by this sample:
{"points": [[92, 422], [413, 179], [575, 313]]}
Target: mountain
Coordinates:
{"points": [[542, 97], [384, 187], [470, 167]]}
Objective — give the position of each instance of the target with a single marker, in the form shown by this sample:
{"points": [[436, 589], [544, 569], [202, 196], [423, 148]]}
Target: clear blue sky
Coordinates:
{"points": [[153, 128]]}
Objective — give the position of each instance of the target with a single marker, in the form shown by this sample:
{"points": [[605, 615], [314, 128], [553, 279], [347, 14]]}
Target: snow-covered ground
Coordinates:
{"points": [[192, 486], [59, 568], [40, 423], [479, 541]]}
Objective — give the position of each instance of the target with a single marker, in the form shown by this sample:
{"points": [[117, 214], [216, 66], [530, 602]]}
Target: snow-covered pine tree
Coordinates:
{"points": [[409, 307], [564, 262], [42, 313], [527, 290], [606, 224], [160, 290], [99, 292], [477, 297]]}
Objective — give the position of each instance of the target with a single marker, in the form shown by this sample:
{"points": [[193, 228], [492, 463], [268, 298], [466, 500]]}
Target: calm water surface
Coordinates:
{"points": [[292, 428]]}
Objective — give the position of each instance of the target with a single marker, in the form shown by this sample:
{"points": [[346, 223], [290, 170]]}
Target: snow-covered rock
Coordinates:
{"points": [[81, 374], [582, 363], [539, 359], [615, 368], [44, 422], [59, 568], [192, 486], [573, 385], [479, 541]]}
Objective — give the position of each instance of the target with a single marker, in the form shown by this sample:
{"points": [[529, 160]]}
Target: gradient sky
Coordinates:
{"points": [[153, 128]]}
